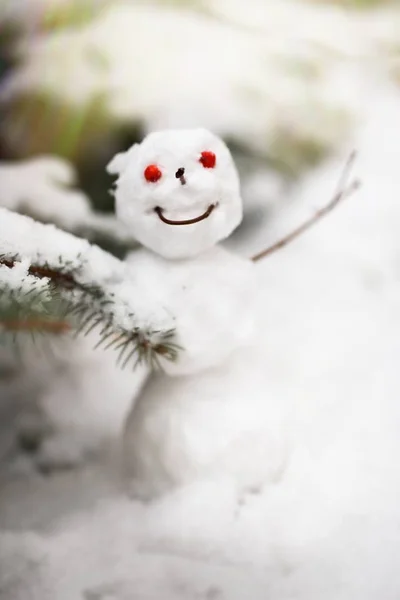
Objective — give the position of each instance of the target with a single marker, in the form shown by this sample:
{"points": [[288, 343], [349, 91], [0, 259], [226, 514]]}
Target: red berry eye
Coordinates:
{"points": [[208, 159], [152, 173]]}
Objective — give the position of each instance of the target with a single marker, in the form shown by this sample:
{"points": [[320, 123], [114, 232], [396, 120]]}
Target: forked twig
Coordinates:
{"points": [[343, 190]]}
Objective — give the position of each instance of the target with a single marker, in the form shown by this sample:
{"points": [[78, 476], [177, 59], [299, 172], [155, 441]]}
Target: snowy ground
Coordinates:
{"points": [[329, 528]]}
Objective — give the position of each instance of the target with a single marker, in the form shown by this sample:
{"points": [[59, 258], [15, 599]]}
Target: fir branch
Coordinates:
{"points": [[27, 309], [34, 325], [343, 191], [82, 288]]}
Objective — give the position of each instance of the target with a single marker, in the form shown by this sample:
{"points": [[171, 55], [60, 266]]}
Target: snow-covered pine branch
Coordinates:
{"points": [[42, 266], [43, 188], [27, 304]]}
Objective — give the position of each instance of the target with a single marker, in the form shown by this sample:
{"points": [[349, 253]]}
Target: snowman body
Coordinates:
{"points": [[200, 416], [210, 297]]}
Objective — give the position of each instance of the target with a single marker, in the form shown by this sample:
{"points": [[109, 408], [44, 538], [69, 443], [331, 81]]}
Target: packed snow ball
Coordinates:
{"points": [[176, 178]]}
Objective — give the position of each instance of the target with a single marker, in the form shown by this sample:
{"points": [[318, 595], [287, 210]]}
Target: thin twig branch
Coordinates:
{"points": [[35, 324], [343, 190]]}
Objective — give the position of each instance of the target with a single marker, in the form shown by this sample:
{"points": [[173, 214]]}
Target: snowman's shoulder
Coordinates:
{"points": [[145, 259], [217, 271], [222, 256], [147, 269], [227, 265], [217, 266]]}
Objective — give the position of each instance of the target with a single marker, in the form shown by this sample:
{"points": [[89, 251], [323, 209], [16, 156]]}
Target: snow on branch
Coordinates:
{"points": [[42, 267], [43, 188], [26, 303]]}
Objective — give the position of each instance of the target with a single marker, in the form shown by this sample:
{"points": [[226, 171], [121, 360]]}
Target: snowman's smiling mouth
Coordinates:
{"points": [[208, 212]]}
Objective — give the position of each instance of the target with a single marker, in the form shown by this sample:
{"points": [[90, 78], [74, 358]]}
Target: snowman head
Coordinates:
{"points": [[178, 191]]}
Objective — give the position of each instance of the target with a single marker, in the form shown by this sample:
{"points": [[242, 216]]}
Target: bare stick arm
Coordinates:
{"points": [[344, 190]]}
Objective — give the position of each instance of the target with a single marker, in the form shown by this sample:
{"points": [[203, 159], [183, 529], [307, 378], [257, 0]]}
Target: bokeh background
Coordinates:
{"points": [[284, 82], [293, 86]]}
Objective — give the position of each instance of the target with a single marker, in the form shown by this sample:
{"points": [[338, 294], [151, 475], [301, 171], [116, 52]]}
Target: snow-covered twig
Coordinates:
{"points": [[90, 287], [344, 190]]}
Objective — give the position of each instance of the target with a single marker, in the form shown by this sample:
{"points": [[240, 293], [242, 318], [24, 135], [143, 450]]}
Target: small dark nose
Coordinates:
{"points": [[180, 174]]}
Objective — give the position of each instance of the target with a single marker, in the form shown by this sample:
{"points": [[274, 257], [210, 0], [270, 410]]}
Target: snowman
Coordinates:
{"points": [[208, 414]]}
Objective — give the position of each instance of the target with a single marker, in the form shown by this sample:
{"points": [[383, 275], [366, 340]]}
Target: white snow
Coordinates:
{"points": [[43, 187], [19, 280], [329, 526]]}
